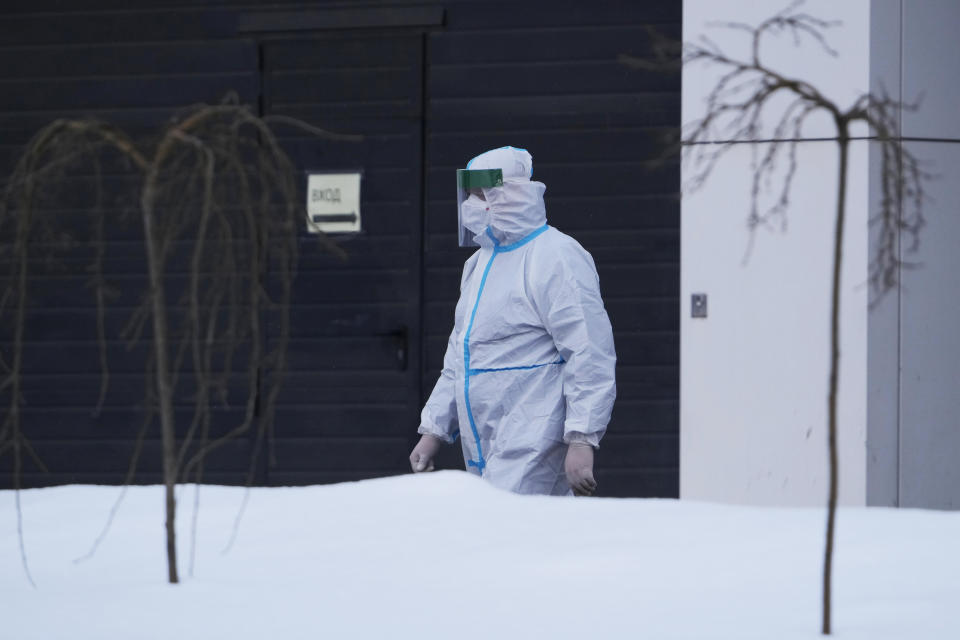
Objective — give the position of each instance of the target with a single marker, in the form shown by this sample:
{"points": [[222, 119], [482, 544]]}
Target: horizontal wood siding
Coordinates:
{"points": [[549, 80], [351, 399], [72, 63], [543, 75]]}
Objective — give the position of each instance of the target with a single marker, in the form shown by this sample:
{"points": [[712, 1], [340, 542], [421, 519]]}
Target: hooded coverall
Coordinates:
{"points": [[529, 365]]}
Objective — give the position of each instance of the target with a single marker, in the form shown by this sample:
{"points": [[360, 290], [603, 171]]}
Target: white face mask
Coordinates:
{"points": [[475, 215]]}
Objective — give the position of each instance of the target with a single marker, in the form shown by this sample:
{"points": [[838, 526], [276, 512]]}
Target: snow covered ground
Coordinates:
{"points": [[446, 556]]}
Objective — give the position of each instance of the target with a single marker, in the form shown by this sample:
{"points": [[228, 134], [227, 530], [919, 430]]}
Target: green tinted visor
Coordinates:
{"points": [[479, 178]]}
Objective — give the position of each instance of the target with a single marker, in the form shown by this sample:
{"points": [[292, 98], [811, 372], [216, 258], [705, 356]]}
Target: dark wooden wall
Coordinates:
{"points": [[429, 85]]}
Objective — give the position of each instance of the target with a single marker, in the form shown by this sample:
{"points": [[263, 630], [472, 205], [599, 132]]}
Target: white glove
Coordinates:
{"points": [[579, 468], [421, 458]]}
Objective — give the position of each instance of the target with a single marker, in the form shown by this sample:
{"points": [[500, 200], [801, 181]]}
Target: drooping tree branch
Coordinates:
{"points": [[734, 113], [217, 194], [746, 91]]}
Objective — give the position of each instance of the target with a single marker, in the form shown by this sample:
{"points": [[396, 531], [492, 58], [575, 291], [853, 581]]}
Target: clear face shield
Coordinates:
{"points": [[471, 207]]}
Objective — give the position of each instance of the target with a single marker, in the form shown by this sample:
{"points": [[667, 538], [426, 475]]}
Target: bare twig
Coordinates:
{"points": [[218, 182], [193, 523], [23, 547], [131, 471], [97, 282], [734, 113], [235, 529]]}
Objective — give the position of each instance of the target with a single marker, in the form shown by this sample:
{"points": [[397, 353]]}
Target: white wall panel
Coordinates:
{"points": [[754, 372], [842, 78]]}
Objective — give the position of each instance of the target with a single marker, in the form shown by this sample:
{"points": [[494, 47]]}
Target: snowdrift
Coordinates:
{"points": [[445, 555]]}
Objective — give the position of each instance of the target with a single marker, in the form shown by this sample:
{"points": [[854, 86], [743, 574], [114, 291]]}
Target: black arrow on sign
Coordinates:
{"points": [[334, 217]]}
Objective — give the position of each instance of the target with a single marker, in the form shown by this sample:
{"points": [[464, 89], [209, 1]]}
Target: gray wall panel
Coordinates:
{"points": [[883, 376], [550, 81], [883, 321], [931, 58], [930, 348]]}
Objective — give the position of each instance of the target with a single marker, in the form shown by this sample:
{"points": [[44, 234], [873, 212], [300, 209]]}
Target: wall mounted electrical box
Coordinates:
{"points": [[698, 305]]}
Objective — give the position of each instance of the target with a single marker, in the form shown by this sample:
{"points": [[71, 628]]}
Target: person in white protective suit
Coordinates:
{"points": [[528, 375]]}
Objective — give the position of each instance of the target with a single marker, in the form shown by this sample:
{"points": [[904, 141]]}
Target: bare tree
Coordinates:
{"points": [[735, 107], [216, 181]]}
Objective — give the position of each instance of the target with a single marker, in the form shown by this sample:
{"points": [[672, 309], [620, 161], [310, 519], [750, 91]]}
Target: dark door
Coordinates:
{"points": [[350, 400]]}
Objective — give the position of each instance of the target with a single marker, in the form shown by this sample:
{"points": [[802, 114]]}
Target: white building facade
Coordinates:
{"points": [[754, 372]]}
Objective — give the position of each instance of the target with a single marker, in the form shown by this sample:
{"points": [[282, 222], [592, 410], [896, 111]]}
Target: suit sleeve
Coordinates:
{"points": [[439, 415], [567, 294]]}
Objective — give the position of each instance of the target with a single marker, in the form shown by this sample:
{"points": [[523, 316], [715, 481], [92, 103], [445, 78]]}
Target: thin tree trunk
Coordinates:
{"points": [[23, 245], [164, 392], [844, 141]]}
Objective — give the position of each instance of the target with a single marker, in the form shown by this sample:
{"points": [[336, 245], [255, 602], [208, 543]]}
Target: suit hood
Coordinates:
{"points": [[516, 209]]}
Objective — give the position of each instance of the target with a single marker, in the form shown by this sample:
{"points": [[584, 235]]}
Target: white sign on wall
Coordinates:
{"points": [[333, 202]]}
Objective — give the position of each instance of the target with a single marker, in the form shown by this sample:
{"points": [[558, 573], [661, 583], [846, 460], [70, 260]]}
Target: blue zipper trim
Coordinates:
{"points": [[480, 463], [473, 372], [498, 248]]}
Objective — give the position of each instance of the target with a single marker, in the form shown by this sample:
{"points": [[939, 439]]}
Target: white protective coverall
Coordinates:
{"points": [[529, 366]]}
